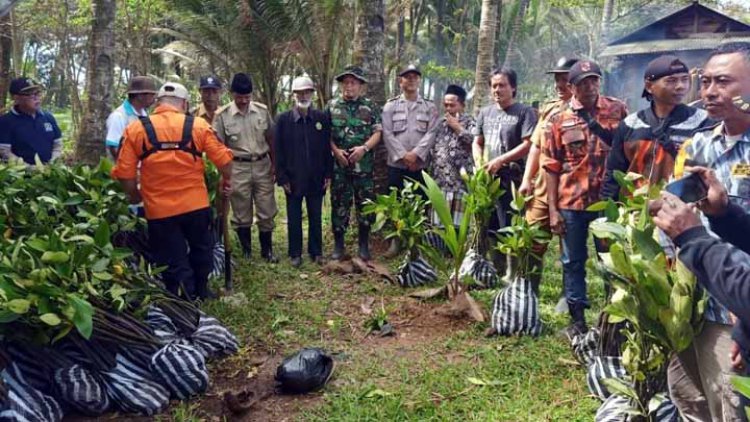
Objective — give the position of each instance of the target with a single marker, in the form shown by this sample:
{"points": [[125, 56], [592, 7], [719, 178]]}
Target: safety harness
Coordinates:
{"points": [[186, 144]]}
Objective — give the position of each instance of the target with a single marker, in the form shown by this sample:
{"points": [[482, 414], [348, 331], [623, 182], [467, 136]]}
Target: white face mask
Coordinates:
{"points": [[304, 104]]}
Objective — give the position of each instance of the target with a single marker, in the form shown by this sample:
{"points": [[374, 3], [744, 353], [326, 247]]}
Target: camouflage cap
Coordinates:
{"points": [[354, 71]]}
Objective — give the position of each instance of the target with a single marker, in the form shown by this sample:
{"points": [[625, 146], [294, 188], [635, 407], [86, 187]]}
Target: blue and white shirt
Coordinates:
{"points": [[729, 157], [118, 120]]}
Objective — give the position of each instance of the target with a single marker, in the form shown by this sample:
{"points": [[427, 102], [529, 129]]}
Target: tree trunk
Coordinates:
{"points": [[5, 6], [6, 52], [609, 7], [511, 53], [369, 53], [485, 48], [99, 82]]}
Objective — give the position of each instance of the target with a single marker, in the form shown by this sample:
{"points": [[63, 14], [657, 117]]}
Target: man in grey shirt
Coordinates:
{"points": [[501, 141]]}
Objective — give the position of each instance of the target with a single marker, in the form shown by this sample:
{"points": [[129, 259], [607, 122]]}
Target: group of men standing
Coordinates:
{"points": [[565, 157]]}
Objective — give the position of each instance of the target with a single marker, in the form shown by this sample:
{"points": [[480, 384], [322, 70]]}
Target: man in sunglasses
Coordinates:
{"points": [[27, 131]]}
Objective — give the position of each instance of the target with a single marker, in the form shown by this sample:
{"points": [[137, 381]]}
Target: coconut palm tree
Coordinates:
{"points": [[268, 38], [485, 49], [99, 82]]}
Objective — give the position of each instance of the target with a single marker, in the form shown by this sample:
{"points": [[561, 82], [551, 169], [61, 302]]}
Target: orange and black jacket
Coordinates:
{"points": [[646, 145]]}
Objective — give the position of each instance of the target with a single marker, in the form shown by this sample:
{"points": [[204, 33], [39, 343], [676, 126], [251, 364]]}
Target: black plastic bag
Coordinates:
{"points": [[305, 371]]}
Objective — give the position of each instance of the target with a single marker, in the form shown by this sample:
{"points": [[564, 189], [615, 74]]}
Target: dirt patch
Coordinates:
{"points": [[416, 323]]}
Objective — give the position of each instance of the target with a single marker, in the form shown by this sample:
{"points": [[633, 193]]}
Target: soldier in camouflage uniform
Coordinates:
{"points": [[355, 131]]}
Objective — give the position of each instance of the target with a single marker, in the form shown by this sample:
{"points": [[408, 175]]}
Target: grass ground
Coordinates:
{"points": [[435, 368]]}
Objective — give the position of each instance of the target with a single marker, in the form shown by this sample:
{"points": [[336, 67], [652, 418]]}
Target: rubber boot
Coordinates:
{"points": [[266, 247], [338, 246], [243, 233], [577, 321], [364, 242]]}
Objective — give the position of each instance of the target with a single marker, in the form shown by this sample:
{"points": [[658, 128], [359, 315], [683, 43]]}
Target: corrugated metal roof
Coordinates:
{"points": [[694, 7], [685, 44]]}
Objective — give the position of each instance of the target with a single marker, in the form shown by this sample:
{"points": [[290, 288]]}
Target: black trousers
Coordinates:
{"points": [[314, 204], [183, 244], [397, 177]]}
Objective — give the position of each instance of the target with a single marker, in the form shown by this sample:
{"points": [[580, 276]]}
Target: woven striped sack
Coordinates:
{"points": [[81, 389], [585, 346], [613, 409], [515, 310], [436, 242], [162, 325], [24, 403], [182, 369], [416, 272], [217, 260], [213, 339], [603, 367], [480, 269], [666, 411], [33, 364], [132, 388]]}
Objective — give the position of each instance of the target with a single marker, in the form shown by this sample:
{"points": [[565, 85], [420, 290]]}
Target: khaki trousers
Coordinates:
{"points": [[253, 190], [699, 378]]}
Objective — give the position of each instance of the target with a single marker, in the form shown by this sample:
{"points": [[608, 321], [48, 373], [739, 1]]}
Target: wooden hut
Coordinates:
{"points": [[689, 33]]}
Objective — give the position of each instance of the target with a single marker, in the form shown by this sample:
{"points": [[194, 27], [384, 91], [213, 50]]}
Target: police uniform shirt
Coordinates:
{"points": [[26, 135], [244, 133], [201, 111], [406, 127]]}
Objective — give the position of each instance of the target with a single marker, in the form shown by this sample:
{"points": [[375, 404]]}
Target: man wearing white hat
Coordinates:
{"points": [[304, 167], [169, 147]]}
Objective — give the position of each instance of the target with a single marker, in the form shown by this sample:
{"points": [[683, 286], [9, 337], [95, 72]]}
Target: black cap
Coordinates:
{"points": [[661, 67], [242, 84], [583, 69], [354, 71], [457, 91], [21, 86], [410, 69], [563, 65], [210, 82]]}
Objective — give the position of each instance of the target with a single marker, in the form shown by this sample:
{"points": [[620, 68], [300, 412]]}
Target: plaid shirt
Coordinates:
{"points": [[731, 162], [573, 151]]}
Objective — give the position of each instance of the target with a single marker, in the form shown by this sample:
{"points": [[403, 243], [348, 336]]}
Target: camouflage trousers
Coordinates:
{"points": [[345, 188]]}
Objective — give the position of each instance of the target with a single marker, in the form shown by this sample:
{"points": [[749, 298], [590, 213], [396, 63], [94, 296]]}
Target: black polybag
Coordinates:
{"points": [[305, 371]]}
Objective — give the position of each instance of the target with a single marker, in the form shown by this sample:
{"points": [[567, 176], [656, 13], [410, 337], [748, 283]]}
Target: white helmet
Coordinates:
{"points": [[302, 83]]}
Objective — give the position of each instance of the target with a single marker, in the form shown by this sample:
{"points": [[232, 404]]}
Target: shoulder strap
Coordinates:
{"points": [[151, 135], [594, 126], [187, 144]]}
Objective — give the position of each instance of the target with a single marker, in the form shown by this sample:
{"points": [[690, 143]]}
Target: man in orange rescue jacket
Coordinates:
{"points": [[169, 147]]}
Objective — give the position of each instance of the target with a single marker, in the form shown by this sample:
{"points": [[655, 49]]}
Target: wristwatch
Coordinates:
{"points": [[367, 149]]}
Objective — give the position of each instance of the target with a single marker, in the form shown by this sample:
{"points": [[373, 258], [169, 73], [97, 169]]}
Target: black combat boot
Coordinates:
{"points": [[243, 233], [338, 246], [266, 247], [364, 242]]}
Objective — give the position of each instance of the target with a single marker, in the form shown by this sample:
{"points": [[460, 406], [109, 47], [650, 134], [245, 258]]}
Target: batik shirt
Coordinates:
{"points": [[730, 159], [450, 153], [574, 152]]}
